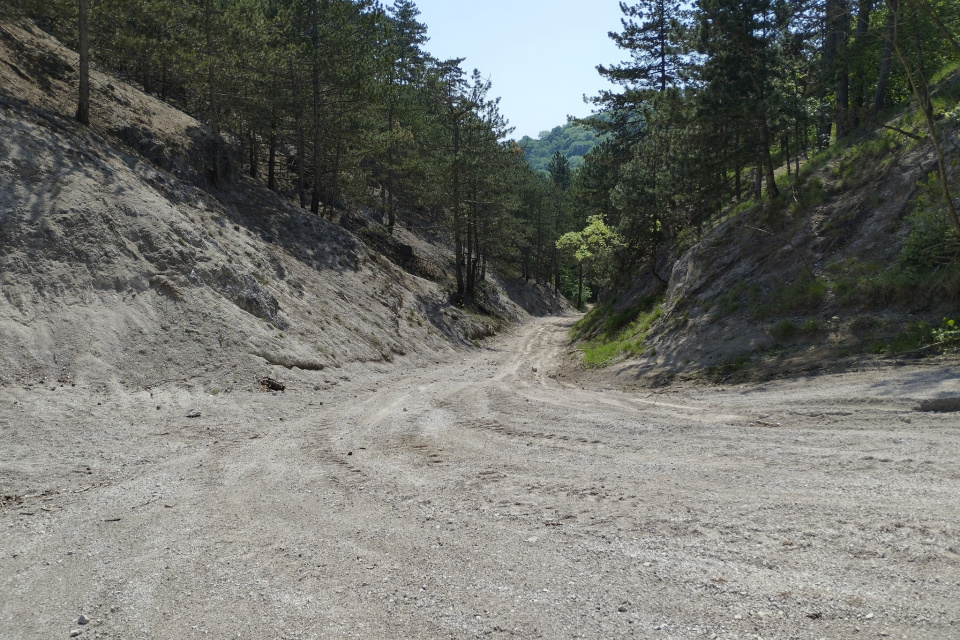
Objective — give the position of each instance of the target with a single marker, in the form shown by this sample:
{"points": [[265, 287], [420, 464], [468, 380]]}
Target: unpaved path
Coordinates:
{"points": [[481, 498]]}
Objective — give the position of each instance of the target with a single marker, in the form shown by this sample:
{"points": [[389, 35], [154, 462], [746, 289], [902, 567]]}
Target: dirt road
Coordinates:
{"points": [[481, 498]]}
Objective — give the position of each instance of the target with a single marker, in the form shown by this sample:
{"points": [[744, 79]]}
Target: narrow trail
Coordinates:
{"points": [[480, 497]]}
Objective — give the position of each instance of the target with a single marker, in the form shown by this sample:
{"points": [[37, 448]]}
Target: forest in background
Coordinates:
{"points": [[572, 140], [718, 106]]}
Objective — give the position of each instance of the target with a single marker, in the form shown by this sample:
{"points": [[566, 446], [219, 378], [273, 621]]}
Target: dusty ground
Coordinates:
{"points": [[482, 498]]}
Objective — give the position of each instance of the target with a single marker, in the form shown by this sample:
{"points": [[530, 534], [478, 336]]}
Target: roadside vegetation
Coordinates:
{"points": [[795, 218], [606, 337]]}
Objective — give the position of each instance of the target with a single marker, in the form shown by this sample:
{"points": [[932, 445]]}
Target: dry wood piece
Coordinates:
{"points": [[269, 384]]}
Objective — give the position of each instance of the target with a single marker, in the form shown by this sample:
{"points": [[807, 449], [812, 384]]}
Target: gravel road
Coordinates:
{"points": [[480, 497]]}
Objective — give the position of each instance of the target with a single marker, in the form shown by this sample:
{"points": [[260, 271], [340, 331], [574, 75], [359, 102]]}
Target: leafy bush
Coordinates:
{"points": [[812, 327], [947, 333], [787, 329]]}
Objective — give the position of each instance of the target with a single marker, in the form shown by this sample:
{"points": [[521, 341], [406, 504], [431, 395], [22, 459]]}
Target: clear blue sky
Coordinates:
{"points": [[541, 55]]}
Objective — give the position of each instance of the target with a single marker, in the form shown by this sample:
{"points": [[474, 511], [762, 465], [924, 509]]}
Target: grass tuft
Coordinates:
{"points": [[613, 337]]}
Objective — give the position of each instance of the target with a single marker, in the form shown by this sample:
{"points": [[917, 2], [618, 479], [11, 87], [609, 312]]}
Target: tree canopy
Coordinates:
{"points": [[573, 140]]}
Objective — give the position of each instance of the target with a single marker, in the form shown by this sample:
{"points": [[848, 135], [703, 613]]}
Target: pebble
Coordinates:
{"points": [[194, 414], [622, 609], [83, 620], [75, 633]]}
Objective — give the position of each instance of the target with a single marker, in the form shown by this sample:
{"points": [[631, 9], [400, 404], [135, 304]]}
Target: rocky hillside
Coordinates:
{"points": [[855, 264], [121, 265]]}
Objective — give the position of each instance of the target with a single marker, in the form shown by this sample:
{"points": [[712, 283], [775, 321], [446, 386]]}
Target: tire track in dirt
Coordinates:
{"points": [[481, 497]]}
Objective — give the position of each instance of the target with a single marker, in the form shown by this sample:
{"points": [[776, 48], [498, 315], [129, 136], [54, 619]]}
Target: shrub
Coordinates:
{"points": [[784, 330], [915, 336], [947, 333], [932, 242], [864, 324], [812, 327], [803, 294]]}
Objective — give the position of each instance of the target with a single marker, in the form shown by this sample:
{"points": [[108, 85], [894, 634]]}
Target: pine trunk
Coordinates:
{"points": [[315, 82], [214, 103], [457, 231], [886, 61], [580, 288], [766, 159], [864, 7], [272, 160], [842, 26], [83, 103], [301, 163], [471, 268], [254, 155]]}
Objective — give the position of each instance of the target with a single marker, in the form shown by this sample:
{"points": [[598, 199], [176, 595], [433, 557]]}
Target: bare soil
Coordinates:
{"points": [[121, 265], [482, 497]]}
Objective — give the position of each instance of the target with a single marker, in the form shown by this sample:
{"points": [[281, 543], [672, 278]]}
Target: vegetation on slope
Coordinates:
{"points": [[572, 140], [608, 336], [788, 181], [753, 136]]}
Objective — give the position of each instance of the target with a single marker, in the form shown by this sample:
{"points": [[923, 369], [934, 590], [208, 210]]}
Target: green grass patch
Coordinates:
{"points": [[944, 73], [614, 336], [807, 195], [742, 207]]}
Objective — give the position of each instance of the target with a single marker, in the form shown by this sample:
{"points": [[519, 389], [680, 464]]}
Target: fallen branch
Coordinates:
{"points": [[269, 383], [906, 133], [144, 504]]}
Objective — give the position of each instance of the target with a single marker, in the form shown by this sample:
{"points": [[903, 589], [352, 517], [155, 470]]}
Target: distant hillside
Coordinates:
{"points": [[572, 140]]}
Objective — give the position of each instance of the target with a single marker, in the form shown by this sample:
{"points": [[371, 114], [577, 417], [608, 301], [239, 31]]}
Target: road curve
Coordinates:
{"points": [[482, 498]]}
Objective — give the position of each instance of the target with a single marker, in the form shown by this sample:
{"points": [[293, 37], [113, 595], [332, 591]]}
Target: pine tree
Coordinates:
{"points": [[655, 36]]}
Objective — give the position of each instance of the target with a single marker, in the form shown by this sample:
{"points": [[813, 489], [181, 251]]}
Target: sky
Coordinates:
{"points": [[540, 55]]}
